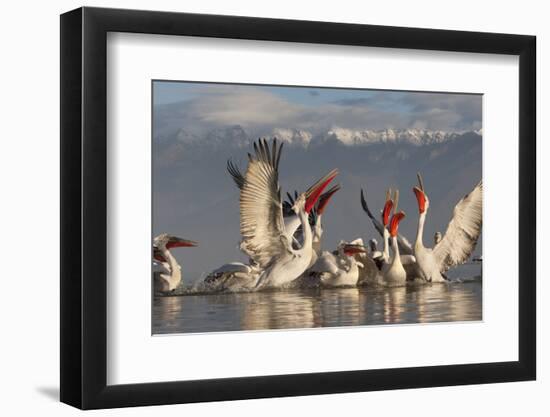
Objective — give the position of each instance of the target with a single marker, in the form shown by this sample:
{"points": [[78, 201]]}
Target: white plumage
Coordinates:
{"points": [[340, 268], [460, 238], [265, 238]]}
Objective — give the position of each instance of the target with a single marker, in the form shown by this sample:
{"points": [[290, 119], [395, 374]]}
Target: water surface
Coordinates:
{"points": [[307, 308]]}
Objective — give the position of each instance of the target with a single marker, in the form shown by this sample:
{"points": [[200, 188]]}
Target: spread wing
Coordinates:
{"points": [[463, 230], [405, 246], [262, 226]]}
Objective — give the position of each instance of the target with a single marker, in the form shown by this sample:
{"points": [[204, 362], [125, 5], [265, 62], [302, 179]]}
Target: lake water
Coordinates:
{"points": [[459, 300]]}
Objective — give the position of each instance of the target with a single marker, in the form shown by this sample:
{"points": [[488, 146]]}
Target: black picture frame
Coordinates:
{"points": [[84, 207]]}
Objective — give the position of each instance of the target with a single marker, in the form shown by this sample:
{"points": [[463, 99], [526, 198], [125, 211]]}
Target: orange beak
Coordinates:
{"points": [[351, 250], [386, 212], [176, 242], [313, 194], [421, 199], [396, 218]]}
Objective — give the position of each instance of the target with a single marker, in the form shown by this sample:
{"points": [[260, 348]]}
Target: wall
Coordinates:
{"points": [[29, 177]]}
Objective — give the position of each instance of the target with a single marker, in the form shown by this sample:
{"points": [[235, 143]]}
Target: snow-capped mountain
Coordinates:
{"points": [[292, 136], [237, 136], [417, 137]]}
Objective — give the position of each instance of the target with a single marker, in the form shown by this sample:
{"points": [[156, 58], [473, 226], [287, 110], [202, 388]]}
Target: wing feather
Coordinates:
{"points": [[262, 226], [235, 173], [463, 230]]}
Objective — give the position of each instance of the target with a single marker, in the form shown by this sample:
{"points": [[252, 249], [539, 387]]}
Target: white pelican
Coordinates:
{"points": [[260, 196], [234, 276], [169, 277], [393, 272], [460, 238], [315, 219], [264, 237], [375, 254], [369, 268], [405, 247], [339, 268], [383, 257]]}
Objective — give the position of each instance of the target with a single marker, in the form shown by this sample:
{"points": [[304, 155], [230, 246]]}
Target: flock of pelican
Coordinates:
{"points": [[282, 239]]}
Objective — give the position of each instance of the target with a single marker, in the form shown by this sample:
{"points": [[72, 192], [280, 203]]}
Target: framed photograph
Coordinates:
{"points": [[257, 208]]}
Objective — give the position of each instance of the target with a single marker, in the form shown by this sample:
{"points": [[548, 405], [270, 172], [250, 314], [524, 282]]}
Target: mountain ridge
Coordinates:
{"points": [[236, 136]]}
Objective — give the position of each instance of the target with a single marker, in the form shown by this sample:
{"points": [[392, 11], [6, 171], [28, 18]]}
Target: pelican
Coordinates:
{"points": [[393, 272], [375, 254], [233, 276], [369, 269], [340, 268], [315, 219], [460, 238], [405, 248], [264, 238], [276, 258], [169, 277]]}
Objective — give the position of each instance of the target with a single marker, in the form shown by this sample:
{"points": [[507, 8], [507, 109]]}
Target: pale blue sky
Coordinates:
{"points": [[166, 92]]}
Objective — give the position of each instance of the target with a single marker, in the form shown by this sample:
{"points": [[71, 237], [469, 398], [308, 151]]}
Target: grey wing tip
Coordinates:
{"points": [[235, 174], [364, 205]]}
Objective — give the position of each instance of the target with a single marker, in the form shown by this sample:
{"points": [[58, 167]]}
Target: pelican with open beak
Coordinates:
{"points": [[339, 268], [393, 272], [459, 240], [169, 277]]}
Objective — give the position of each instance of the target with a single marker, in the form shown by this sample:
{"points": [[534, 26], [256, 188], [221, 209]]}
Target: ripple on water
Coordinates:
{"points": [[315, 307]]}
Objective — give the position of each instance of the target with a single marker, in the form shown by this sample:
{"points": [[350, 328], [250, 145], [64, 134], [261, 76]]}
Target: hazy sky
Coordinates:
{"points": [[203, 106]]}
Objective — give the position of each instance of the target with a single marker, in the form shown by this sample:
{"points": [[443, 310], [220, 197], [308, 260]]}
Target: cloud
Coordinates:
{"points": [[463, 111], [438, 111], [259, 111]]}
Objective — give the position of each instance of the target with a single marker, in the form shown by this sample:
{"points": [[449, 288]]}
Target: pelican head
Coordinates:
{"points": [[386, 211], [421, 197], [308, 199], [165, 241], [394, 224], [350, 249], [391, 204]]}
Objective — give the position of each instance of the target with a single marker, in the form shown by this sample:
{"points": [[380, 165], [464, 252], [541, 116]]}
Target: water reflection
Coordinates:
{"points": [[317, 308], [280, 310]]}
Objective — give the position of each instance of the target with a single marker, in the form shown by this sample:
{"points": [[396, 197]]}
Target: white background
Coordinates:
{"points": [[29, 176], [133, 60]]}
